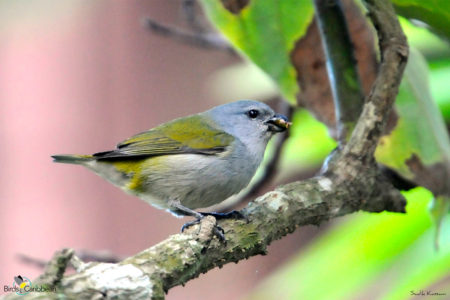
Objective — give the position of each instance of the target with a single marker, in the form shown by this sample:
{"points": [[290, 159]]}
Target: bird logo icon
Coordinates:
{"points": [[22, 283]]}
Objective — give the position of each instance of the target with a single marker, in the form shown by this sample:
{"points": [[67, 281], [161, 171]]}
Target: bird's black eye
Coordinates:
{"points": [[253, 113]]}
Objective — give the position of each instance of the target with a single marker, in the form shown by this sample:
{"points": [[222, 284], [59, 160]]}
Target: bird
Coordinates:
{"points": [[191, 162]]}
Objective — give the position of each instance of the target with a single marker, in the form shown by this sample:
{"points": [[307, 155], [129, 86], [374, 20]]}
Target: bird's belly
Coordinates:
{"points": [[193, 180]]}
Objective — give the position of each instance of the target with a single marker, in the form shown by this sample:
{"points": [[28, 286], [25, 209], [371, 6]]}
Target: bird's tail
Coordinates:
{"points": [[72, 159]]}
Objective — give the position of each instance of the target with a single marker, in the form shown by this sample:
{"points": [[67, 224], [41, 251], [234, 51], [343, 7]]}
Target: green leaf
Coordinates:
{"points": [[266, 31], [435, 13], [419, 146], [439, 78], [420, 128]]}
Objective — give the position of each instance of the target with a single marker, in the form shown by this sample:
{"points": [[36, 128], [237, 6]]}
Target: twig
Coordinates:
{"points": [[85, 255], [198, 39], [26, 259], [188, 7], [341, 65]]}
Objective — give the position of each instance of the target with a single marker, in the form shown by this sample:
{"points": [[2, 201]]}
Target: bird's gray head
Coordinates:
{"points": [[250, 121]]}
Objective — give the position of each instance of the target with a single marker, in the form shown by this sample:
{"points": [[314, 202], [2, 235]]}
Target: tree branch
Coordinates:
{"points": [[351, 182], [394, 54]]}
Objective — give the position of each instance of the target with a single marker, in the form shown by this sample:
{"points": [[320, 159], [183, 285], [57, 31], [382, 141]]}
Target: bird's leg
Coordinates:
{"points": [[181, 210], [178, 208]]}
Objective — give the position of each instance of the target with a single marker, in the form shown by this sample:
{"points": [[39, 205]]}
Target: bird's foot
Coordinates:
{"points": [[199, 216], [217, 230]]}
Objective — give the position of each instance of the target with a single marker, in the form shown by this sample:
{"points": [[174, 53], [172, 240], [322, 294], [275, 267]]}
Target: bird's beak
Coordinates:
{"points": [[278, 123]]}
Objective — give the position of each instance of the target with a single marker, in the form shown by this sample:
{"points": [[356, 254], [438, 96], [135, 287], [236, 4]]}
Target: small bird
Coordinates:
{"points": [[191, 162]]}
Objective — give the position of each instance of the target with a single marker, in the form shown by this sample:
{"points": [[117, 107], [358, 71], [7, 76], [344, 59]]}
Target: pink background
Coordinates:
{"points": [[78, 77]]}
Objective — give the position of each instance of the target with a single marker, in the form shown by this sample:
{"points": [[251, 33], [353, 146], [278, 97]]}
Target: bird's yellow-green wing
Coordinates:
{"points": [[185, 135]]}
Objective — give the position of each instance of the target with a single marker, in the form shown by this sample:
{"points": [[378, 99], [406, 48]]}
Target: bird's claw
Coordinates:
{"points": [[189, 224], [220, 233], [217, 230]]}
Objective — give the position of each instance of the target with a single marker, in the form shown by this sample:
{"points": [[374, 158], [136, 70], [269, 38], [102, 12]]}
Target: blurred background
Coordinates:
{"points": [[80, 76]]}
